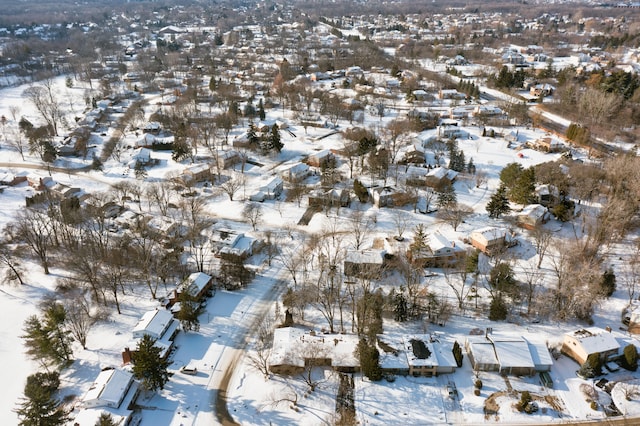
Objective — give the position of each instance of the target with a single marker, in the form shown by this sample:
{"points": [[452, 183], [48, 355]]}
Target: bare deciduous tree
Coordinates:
{"points": [[361, 227], [252, 213], [231, 186], [34, 229], [259, 357], [542, 239]]}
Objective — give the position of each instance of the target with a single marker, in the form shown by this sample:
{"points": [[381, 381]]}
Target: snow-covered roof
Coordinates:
{"points": [[482, 350], [594, 339], [512, 351], [489, 233], [198, 279], [108, 389], [539, 354], [153, 323], [535, 211], [291, 346], [363, 257], [420, 351]]}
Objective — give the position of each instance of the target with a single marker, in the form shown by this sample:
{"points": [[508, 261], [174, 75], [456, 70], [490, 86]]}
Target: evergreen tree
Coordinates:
{"points": [[608, 283], [400, 311], [446, 195], [96, 164], [190, 309], [499, 203], [501, 278], [471, 168], [212, 84], [497, 308], [420, 239], [522, 191], [369, 360], [261, 112], [361, 191], [148, 365], [630, 357], [252, 135], [38, 406], [274, 138], [106, 419], [140, 171], [510, 173], [457, 353], [48, 340]]}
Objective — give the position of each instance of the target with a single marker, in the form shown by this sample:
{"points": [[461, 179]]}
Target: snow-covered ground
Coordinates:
{"points": [[230, 316]]}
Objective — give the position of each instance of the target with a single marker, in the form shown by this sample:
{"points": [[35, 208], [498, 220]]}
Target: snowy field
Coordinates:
{"points": [[230, 316]]}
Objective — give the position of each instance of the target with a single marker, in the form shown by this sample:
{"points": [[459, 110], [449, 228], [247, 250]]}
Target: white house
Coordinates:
{"points": [[155, 324], [109, 389], [295, 173]]}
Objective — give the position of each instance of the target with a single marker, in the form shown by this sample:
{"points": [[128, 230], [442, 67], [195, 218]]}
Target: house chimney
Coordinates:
{"points": [[126, 356]]}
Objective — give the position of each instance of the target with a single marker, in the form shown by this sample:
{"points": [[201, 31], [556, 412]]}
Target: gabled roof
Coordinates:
{"points": [[109, 387], [594, 339], [153, 323]]}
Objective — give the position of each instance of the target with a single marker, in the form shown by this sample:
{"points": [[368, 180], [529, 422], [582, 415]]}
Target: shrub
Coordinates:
{"points": [[630, 357], [594, 406], [457, 354], [478, 384], [476, 392]]}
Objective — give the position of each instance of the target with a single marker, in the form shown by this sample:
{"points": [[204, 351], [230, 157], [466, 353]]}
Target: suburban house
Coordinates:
{"points": [[547, 195], [416, 176], [140, 157], [232, 245], [389, 196], [159, 325], [364, 263], [320, 158], [439, 176], [294, 349], [441, 252], [546, 144], [152, 127], [489, 240], [450, 94], [330, 197], [420, 355], [631, 317], [579, 344], [109, 389], [11, 179], [507, 355], [40, 183], [197, 173], [227, 159], [295, 173], [113, 392], [199, 284], [532, 216], [270, 190]]}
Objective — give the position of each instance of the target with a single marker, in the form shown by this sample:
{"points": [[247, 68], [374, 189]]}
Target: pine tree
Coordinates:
{"points": [[446, 195], [149, 366], [400, 309], [252, 135], [190, 309], [497, 308], [48, 340], [38, 406], [522, 192], [106, 419], [275, 141], [608, 283], [261, 112], [369, 360], [499, 203], [420, 239], [212, 84], [471, 168]]}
